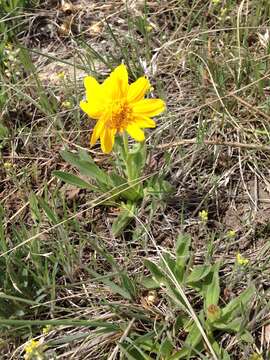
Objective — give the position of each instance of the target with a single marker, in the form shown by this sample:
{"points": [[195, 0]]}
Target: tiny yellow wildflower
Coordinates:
{"points": [[223, 12], [31, 346], [8, 165], [256, 357], [203, 215], [34, 350], [61, 75], [46, 329], [231, 234], [66, 104], [241, 260], [8, 46], [215, 2], [31, 349], [118, 107]]}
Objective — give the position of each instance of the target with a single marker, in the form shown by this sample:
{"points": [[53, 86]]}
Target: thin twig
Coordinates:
{"points": [[115, 351], [252, 107], [215, 142]]}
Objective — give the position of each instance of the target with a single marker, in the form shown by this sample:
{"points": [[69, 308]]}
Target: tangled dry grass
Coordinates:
{"points": [[209, 60]]}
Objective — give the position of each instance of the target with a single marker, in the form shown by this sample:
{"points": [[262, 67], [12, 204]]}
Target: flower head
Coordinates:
{"points": [[231, 234], [8, 166], [46, 329], [203, 215], [241, 260], [61, 75], [118, 107], [32, 349], [31, 346], [66, 104], [213, 312]]}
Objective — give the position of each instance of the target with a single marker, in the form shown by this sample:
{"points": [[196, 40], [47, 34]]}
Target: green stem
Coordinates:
{"points": [[125, 141], [126, 149]]}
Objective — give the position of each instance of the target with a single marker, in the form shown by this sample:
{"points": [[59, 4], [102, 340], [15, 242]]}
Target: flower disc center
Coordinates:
{"points": [[120, 116]]}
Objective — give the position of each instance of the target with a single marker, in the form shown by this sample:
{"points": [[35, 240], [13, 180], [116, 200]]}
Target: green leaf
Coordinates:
{"points": [[116, 289], [126, 214], [198, 273], [158, 187], [192, 342], [161, 277], [234, 307], [87, 168], [212, 291], [73, 180], [183, 243], [157, 273], [221, 353], [49, 212], [84, 155], [130, 193], [181, 322], [225, 355], [182, 255], [3, 132], [247, 337], [166, 348], [133, 353], [149, 283], [233, 326], [35, 212], [168, 261], [128, 285]]}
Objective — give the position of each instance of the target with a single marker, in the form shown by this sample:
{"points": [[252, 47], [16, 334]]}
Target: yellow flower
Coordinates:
{"points": [[34, 350], [61, 75], [8, 46], [231, 234], [241, 260], [31, 349], [31, 346], [223, 12], [66, 104], [118, 107], [8, 165], [46, 329], [256, 357], [203, 215]]}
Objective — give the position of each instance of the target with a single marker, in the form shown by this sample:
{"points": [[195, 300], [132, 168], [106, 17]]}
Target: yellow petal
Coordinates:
{"points": [[95, 103], [107, 140], [138, 89], [145, 122], [92, 87], [148, 107], [92, 109], [97, 131], [135, 132], [121, 76], [116, 85]]}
